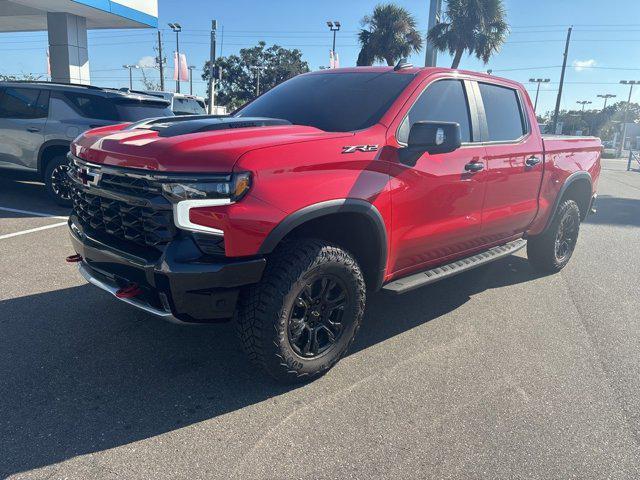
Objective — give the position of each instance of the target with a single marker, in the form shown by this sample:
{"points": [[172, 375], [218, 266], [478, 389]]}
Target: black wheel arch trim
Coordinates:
{"points": [[48, 144], [317, 210], [576, 176]]}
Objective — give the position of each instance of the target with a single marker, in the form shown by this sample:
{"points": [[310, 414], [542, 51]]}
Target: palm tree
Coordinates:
{"points": [[477, 26], [388, 35]]}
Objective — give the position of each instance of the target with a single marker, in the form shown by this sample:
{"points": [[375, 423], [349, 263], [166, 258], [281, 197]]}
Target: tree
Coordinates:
{"points": [[23, 76], [602, 123], [476, 26], [149, 83], [388, 35], [238, 84]]}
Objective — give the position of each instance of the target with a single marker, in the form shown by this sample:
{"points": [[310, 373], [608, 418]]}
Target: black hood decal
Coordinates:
{"points": [[174, 126]]}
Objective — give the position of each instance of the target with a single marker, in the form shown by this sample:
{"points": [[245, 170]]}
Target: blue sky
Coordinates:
{"points": [[606, 41]]}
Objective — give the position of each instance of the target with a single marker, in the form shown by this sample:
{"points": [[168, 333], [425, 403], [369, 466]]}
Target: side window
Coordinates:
{"points": [[23, 103], [503, 111], [91, 106], [442, 101]]}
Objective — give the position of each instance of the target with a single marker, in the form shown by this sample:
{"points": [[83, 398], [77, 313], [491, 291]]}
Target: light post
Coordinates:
{"points": [[631, 83], [258, 69], [130, 68], [177, 28], [606, 97], [191, 68], [583, 103], [334, 27], [538, 81]]}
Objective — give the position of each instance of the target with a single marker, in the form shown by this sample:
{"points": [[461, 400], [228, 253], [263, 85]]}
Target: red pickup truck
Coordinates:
{"points": [[336, 182]]}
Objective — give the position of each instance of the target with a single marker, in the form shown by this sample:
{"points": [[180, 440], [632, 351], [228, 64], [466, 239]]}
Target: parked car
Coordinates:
{"points": [[333, 183], [181, 104], [38, 121]]}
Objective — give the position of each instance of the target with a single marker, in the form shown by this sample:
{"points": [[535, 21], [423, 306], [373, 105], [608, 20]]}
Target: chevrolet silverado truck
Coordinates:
{"points": [[283, 215]]}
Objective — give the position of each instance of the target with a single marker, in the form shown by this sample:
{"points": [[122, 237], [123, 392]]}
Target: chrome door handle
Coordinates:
{"points": [[474, 167], [532, 161]]}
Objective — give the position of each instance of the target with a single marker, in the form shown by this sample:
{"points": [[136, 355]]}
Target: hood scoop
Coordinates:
{"points": [[174, 126]]}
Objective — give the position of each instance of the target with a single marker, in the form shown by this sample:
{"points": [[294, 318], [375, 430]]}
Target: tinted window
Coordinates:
{"points": [[91, 106], [134, 111], [502, 108], [24, 103], [188, 106], [442, 101], [334, 102]]}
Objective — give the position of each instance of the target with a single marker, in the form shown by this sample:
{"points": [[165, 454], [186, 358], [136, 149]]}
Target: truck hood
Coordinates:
{"points": [[189, 144]]}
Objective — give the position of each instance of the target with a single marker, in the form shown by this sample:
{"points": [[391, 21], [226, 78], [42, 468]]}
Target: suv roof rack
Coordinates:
{"points": [[93, 87]]}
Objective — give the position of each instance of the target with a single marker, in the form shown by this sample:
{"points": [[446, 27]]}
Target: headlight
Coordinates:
{"points": [[186, 195], [233, 189]]}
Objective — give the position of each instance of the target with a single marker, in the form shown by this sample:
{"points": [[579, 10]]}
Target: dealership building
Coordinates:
{"points": [[67, 22]]}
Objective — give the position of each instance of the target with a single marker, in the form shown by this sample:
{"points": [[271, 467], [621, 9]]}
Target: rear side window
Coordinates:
{"points": [[503, 111], [91, 106], [442, 101], [24, 103], [188, 106]]}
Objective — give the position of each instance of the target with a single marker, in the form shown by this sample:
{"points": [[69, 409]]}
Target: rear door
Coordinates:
{"points": [[514, 160], [23, 117]]}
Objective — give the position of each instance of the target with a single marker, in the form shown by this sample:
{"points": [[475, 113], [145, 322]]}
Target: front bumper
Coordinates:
{"points": [[179, 284]]}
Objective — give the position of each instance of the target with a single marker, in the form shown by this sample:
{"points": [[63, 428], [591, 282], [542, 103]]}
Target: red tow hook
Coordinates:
{"points": [[74, 258], [130, 291]]}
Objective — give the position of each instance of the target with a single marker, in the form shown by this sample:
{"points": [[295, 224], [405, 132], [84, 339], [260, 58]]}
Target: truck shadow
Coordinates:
{"points": [[82, 373], [616, 211]]}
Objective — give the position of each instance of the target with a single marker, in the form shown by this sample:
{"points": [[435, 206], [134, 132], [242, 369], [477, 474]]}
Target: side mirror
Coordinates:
{"points": [[430, 137]]}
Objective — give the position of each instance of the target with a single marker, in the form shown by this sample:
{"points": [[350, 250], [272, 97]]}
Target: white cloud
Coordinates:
{"points": [[147, 62], [581, 65]]}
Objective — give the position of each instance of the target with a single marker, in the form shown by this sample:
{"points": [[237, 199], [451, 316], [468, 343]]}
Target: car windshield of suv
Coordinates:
{"points": [[134, 111], [334, 102], [188, 106]]}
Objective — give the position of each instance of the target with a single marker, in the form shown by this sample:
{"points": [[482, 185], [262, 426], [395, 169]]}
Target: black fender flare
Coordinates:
{"points": [[47, 144], [340, 205], [576, 176]]}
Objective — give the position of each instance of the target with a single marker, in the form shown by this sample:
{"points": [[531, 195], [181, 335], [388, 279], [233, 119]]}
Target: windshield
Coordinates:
{"points": [[334, 102], [134, 111], [188, 106]]}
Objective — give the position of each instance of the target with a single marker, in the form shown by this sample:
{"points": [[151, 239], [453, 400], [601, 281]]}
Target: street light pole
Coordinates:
{"points": [[631, 83], [258, 69], [583, 103], [334, 27], [538, 81], [130, 68], [177, 28], [191, 68], [606, 97]]}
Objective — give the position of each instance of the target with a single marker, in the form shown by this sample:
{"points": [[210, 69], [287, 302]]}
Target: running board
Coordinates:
{"points": [[405, 284]]}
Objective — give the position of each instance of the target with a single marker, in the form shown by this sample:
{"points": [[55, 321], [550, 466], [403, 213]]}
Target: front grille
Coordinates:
{"points": [[141, 225], [140, 187]]}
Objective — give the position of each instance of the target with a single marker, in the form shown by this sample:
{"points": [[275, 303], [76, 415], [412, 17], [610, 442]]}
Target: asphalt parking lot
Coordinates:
{"points": [[496, 373]]}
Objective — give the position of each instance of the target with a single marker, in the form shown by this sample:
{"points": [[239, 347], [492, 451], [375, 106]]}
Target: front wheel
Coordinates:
{"points": [[304, 314], [552, 250], [56, 181]]}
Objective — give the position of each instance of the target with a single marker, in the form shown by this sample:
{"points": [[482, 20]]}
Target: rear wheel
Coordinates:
{"points": [[56, 180], [304, 314], [552, 250]]}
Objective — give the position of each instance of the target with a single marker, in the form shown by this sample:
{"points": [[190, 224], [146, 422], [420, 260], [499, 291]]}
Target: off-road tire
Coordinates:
{"points": [[265, 308], [54, 165], [541, 249]]}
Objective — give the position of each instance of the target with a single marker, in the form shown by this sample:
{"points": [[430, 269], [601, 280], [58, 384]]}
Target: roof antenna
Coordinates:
{"points": [[402, 63]]}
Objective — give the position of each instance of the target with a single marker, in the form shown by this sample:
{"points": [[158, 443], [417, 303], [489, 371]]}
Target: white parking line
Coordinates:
{"points": [[15, 234], [35, 214]]}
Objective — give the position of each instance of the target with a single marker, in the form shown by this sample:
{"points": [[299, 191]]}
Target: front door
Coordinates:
{"points": [[437, 204]]}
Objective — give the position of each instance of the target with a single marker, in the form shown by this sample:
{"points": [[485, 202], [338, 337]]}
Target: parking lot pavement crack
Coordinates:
{"points": [[618, 399]]}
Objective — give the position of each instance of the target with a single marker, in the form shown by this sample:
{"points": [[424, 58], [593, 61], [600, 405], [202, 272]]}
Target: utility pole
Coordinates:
{"points": [[191, 68], [538, 81], [130, 68], [631, 83], [564, 67], [334, 27], [176, 27], [212, 61], [431, 55], [160, 61], [606, 97], [258, 69]]}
